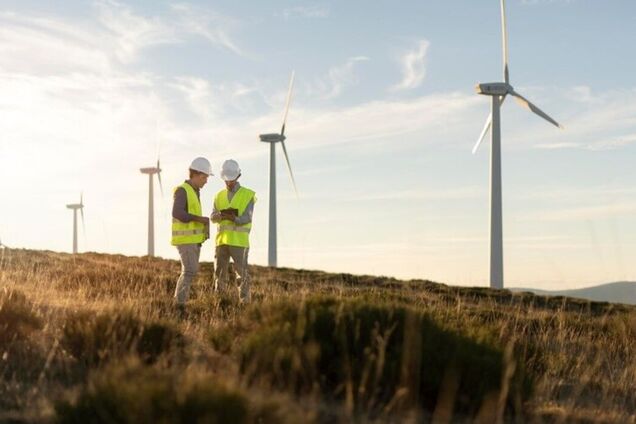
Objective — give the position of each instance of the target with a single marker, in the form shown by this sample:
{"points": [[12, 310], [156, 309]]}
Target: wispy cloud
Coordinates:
{"points": [[583, 213], [337, 79], [340, 76], [454, 193], [212, 26], [413, 65], [593, 121], [117, 36], [128, 32], [534, 2], [309, 11], [436, 116], [575, 203]]}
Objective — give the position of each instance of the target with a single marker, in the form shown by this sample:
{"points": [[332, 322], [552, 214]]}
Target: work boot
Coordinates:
{"points": [[244, 295]]}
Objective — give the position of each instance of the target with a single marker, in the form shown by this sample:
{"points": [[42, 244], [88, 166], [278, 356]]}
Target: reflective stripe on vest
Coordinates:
{"points": [[189, 232], [237, 228], [229, 233]]}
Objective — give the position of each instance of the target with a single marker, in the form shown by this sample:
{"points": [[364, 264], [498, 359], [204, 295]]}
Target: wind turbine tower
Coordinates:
{"points": [[151, 171], [498, 92], [272, 139], [75, 207]]}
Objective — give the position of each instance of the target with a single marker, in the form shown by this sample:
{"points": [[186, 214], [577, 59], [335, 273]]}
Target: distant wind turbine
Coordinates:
{"points": [[151, 207], [498, 92], [75, 207], [274, 138]]}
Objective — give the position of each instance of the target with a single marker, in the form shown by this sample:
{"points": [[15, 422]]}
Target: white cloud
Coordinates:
{"points": [[213, 27], [453, 193], [431, 116], [534, 2], [128, 33], [313, 11], [594, 122], [576, 203], [337, 79], [37, 45], [40, 45], [583, 213], [413, 67]]}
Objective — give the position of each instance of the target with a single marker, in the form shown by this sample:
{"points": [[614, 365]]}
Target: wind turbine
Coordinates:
{"points": [[272, 139], [75, 207], [498, 92], [151, 203]]}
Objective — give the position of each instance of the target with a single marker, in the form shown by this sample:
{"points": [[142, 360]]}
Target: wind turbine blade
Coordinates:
{"points": [[291, 174], [159, 175], [160, 186], [83, 223], [82, 198], [531, 107], [504, 35], [486, 128], [483, 133], [288, 102]]}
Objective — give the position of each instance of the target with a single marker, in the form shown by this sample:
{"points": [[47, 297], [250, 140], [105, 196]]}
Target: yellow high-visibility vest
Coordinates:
{"points": [[229, 233], [189, 232]]}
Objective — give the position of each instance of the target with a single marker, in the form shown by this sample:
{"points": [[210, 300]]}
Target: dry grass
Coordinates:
{"points": [[312, 347]]}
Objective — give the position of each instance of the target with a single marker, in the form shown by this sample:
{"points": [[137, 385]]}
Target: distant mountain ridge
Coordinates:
{"points": [[617, 292]]}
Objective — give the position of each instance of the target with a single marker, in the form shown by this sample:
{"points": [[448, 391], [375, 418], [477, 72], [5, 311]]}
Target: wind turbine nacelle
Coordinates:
{"points": [[271, 138], [149, 170], [493, 88], [75, 206]]}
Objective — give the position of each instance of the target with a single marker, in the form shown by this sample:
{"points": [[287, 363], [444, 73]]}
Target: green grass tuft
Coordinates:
{"points": [[17, 317], [134, 393], [374, 357], [95, 339]]}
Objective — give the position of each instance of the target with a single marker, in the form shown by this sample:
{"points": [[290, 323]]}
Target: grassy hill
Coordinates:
{"points": [[95, 338], [619, 292]]}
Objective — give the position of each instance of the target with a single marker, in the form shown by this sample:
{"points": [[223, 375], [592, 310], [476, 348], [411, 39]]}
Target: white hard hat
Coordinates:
{"points": [[201, 165], [230, 170]]}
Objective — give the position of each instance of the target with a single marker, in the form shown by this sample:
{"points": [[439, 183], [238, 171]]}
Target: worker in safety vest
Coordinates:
{"points": [[233, 209], [189, 227]]}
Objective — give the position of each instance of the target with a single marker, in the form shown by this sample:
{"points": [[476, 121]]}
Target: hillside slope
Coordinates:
{"points": [[96, 337], [619, 292]]}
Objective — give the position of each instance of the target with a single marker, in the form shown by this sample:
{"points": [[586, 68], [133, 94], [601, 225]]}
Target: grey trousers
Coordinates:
{"points": [[239, 257], [189, 267]]}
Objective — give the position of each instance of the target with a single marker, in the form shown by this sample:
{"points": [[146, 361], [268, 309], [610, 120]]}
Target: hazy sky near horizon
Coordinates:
{"points": [[381, 129]]}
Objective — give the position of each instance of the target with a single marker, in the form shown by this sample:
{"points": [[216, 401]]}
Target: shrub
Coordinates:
{"points": [[93, 339], [374, 356], [17, 318], [133, 393]]}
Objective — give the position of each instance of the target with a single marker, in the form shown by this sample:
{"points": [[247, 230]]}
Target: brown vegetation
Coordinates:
{"points": [[95, 338]]}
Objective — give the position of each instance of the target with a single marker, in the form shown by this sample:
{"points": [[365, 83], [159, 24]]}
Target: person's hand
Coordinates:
{"points": [[216, 216], [228, 217]]}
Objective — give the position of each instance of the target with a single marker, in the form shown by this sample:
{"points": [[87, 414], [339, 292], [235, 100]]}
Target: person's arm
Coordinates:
{"points": [[180, 208], [246, 217], [216, 216]]}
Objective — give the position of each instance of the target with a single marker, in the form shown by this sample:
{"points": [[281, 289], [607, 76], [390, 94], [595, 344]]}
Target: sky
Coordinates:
{"points": [[382, 123]]}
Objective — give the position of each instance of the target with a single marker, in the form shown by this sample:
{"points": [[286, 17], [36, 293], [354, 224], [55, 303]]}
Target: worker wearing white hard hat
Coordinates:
{"points": [[233, 210], [190, 228]]}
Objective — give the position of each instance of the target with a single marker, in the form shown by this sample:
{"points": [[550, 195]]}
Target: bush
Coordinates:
{"points": [[374, 357], [94, 339], [17, 318], [134, 393]]}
